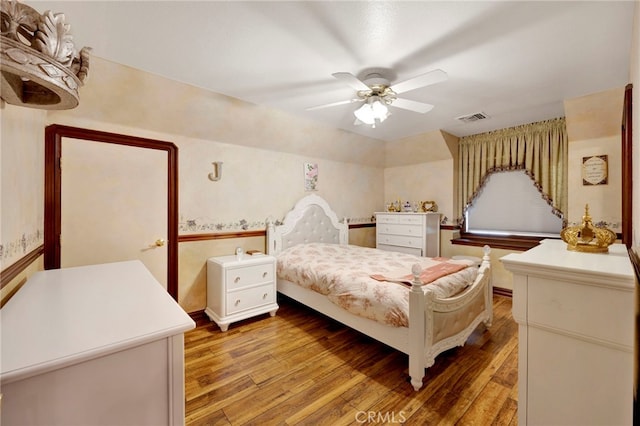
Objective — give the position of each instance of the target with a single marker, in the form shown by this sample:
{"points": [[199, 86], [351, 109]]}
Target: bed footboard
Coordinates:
{"points": [[436, 325]]}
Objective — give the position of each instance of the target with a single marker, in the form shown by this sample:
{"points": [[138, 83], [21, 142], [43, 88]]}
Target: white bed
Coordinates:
{"points": [[435, 324]]}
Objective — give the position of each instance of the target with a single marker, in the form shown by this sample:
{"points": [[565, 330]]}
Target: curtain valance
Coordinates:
{"points": [[538, 148]]}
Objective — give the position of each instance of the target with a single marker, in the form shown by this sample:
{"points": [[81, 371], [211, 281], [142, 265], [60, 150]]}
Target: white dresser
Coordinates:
{"points": [[413, 233], [240, 288], [93, 345], [576, 321]]}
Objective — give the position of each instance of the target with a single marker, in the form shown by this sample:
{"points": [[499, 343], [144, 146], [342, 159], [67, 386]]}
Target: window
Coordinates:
{"points": [[510, 204]]}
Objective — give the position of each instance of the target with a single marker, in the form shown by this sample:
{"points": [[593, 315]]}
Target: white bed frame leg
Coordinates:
{"points": [[417, 332], [484, 266]]}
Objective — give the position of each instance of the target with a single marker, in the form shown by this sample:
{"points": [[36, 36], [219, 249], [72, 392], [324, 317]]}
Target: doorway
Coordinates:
{"points": [[79, 142]]}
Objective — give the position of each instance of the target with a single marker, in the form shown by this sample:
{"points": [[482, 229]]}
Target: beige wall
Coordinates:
{"points": [[22, 186], [593, 126], [430, 181]]}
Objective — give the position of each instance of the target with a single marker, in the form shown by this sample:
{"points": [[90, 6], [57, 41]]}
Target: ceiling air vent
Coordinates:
{"points": [[472, 117]]}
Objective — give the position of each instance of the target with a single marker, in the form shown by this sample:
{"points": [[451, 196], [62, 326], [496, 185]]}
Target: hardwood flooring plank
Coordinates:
{"points": [[507, 374], [337, 412], [471, 391], [485, 408], [508, 412], [434, 409], [380, 379], [214, 418], [212, 401]]}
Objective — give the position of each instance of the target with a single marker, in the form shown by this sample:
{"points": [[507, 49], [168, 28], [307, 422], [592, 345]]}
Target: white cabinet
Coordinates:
{"points": [[240, 287], [93, 345], [576, 322], [413, 233]]}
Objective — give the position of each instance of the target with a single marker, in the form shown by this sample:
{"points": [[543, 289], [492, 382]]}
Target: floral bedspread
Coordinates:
{"points": [[343, 274]]}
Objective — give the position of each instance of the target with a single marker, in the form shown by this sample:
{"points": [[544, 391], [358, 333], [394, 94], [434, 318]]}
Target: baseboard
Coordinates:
{"points": [[503, 291], [199, 317]]}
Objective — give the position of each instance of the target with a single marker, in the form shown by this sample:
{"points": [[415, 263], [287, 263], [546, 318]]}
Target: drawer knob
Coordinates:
{"points": [[237, 280], [264, 274], [264, 296], [237, 302]]}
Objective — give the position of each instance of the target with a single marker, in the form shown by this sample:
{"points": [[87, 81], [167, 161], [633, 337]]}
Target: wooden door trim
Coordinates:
{"points": [[627, 168], [52, 191]]}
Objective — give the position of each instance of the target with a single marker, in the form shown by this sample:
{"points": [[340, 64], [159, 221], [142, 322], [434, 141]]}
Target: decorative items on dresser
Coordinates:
{"points": [[100, 344], [413, 233], [576, 313], [240, 286]]}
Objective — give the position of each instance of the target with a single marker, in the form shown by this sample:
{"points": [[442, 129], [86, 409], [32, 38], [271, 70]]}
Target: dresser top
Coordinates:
{"points": [[377, 213], [244, 260], [64, 316], [552, 256]]}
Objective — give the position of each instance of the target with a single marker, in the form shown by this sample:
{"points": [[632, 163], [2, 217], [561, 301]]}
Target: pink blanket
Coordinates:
{"points": [[428, 275]]}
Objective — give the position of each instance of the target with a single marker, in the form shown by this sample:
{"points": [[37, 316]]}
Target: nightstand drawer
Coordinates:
{"points": [[250, 298], [250, 275], [399, 240], [396, 229]]}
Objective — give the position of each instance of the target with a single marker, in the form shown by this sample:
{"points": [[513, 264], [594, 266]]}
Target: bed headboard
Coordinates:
{"points": [[310, 220]]}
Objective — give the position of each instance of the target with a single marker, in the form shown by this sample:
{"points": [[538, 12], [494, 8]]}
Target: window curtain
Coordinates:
{"points": [[540, 149]]}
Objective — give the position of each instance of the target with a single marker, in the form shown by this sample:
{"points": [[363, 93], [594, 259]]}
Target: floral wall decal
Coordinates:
{"points": [[310, 176]]}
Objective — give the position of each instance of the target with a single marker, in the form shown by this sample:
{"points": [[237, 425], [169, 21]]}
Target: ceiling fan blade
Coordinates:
{"points": [[350, 101], [351, 80], [412, 105], [432, 77]]}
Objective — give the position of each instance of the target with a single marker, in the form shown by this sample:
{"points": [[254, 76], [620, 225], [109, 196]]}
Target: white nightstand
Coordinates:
{"points": [[240, 288]]}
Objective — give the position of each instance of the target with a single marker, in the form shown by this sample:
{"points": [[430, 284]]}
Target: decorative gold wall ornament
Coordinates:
{"points": [[428, 206], [40, 65], [586, 237]]}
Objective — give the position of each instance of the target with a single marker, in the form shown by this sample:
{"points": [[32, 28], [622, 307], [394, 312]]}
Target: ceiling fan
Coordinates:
{"points": [[377, 94]]}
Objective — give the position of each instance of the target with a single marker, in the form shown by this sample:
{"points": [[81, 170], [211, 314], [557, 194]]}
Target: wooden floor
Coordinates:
{"points": [[300, 367]]}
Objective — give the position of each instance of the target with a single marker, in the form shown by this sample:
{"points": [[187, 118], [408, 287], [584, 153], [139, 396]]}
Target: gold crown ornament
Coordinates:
{"points": [[587, 237]]}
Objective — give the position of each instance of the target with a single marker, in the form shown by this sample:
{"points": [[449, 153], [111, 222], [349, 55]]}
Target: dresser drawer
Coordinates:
{"points": [[236, 278], [249, 298], [407, 219], [400, 240], [399, 229], [409, 250], [598, 312]]}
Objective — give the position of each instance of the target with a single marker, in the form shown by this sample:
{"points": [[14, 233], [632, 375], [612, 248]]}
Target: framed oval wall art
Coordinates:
{"points": [[595, 170]]}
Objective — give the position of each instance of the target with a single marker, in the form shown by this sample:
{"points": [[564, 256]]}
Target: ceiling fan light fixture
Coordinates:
{"points": [[373, 110]]}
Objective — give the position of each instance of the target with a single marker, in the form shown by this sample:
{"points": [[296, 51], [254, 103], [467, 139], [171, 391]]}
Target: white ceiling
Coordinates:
{"points": [[515, 61]]}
